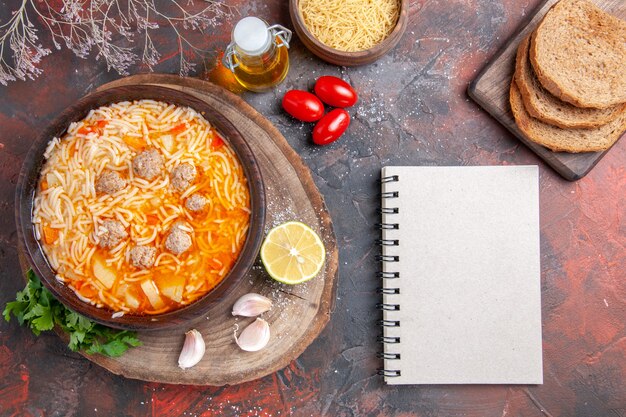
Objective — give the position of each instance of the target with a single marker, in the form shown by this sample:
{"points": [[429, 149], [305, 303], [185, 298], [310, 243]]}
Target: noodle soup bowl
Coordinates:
{"points": [[343, 58], [32, 248]]}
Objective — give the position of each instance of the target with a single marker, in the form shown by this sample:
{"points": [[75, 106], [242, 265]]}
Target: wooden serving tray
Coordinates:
{"points": [[300, 312], [491, 91]]}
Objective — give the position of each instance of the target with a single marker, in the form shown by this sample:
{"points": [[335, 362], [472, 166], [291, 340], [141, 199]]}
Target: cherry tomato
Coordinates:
{"points": [[331, 127], [303, 105], [335, 91]]}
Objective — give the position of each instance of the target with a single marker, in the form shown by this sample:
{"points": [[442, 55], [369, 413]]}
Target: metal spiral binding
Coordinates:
{"points": [[390, 194], [387, 258], [389, 323], [388, 339], [388, 291], [388, 307], [389, 372], [393, 178], [389, 210], [388, 242], [385, 275], [388, 356], [388, 275]]}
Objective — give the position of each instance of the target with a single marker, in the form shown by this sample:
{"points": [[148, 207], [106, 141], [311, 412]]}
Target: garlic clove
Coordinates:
{"points": [[193, 349], [251, 305], [254, 337]]}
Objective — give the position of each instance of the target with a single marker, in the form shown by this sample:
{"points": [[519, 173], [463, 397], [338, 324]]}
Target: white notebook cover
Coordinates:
{"points": [[470, 300]]}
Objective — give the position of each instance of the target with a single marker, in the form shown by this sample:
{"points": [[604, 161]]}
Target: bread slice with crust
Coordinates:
{"points": [[542, 105], [567, 140], [578, 52]]}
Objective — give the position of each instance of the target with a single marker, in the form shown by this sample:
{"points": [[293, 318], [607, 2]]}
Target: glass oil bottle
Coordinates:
{"points": [[258, 55]]}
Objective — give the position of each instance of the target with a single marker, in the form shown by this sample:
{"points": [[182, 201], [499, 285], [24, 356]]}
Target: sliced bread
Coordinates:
{"points": [[567, 140], [578, 53], [542, 105]]}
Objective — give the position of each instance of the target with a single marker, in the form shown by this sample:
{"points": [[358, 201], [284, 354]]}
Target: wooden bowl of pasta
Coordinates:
{"points": [[341, 37], [140, 206]]}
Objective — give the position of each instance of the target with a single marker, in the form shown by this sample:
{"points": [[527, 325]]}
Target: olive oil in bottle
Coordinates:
{"points": [[258, 55]]}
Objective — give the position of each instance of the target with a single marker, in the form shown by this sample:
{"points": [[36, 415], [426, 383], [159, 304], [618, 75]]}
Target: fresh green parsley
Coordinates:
{"points": [[37, 308]]}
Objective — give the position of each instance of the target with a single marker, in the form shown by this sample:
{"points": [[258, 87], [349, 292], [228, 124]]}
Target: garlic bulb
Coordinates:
{"points": [[251, 305], [193, 349], [254, 337]]}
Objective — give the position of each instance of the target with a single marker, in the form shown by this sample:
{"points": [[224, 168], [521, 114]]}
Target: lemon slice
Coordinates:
{"points": [[292, 253]]}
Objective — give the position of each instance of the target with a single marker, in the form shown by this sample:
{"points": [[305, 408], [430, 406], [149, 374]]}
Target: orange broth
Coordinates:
{"points": [[105, 276]]}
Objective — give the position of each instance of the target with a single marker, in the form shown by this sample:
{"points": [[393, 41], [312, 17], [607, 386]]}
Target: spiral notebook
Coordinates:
{"points": [[461, 275]]}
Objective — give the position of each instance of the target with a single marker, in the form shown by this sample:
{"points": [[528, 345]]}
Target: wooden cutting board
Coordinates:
{"points": [[491, 90], [300, 312]]}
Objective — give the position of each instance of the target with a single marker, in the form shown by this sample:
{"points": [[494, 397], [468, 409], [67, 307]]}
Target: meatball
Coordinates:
{"points": [[142, 256], [148, 164], [109, 182], [182, 176], [196, 202], [177, 241], [111, 233]]}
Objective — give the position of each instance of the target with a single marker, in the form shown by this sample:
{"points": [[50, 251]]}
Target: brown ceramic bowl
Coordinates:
{"points": [[337, 57], [29, 178]]}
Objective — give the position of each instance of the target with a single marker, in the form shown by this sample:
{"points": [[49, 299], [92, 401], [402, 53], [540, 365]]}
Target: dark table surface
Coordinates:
{"points": [[413, 109]]}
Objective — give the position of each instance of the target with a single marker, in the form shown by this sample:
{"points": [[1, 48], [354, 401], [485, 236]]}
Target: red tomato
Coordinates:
{"points": [[331, 127], [335, 91], [303, 105]]}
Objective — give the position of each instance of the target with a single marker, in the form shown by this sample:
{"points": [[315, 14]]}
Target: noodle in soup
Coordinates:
{"points": [[141, 207]]}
